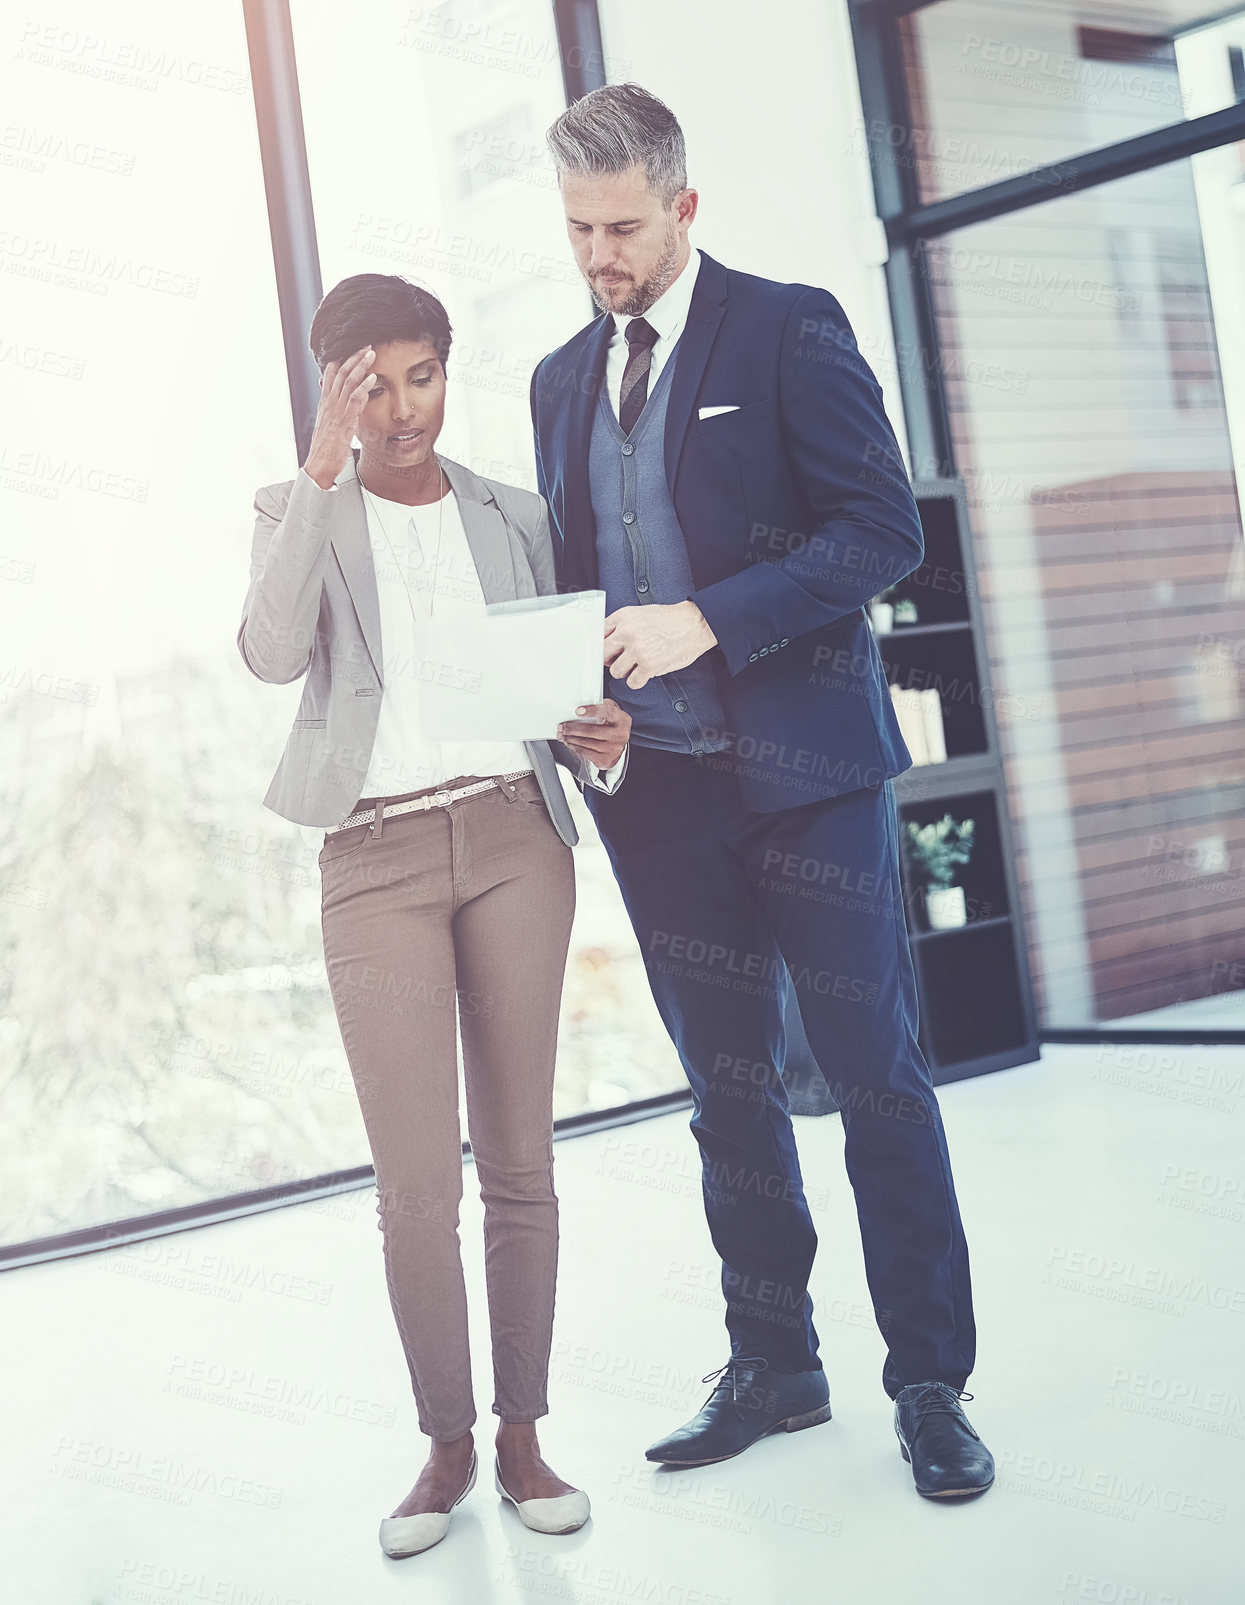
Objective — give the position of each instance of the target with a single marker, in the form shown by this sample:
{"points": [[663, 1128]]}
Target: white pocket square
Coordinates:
{"points": [[712, 412]]}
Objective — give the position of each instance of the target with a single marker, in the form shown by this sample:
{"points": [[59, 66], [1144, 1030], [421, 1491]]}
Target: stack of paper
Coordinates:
{"points": [[514, 672]]}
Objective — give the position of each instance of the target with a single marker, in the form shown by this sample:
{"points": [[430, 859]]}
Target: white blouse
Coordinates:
{"points": [[407, 563]]}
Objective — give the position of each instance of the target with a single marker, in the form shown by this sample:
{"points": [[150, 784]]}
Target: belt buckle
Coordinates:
{"points": [[439, 799]]}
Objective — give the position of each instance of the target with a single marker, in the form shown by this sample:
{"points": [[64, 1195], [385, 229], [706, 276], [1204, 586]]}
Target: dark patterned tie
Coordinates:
{"points": [[634, 391]]}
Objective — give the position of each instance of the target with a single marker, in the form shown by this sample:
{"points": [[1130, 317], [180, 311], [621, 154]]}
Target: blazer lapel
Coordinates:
{"points": [[704, 315], [580, 557], [352, 547], [486, 532]]}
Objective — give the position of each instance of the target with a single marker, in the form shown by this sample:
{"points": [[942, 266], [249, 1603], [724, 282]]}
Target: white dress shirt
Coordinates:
{"points": [[667, 315], [412, 581]]}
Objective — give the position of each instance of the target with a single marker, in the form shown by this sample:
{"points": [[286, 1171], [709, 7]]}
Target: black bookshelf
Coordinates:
{"points": [[973, 984], [973, 981]]}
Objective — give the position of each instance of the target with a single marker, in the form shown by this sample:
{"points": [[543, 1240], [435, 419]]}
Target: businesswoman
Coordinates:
{"points": [[446, 868]]}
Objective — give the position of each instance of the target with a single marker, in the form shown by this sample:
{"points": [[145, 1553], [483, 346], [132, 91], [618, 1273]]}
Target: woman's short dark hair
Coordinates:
{"points": [[371, 309]]}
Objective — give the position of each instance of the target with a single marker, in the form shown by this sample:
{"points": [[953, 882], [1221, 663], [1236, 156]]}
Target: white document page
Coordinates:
{"points": [[514, 672]]}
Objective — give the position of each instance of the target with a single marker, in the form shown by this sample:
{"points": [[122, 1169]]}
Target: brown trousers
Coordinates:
{"points": [[466, 905]]}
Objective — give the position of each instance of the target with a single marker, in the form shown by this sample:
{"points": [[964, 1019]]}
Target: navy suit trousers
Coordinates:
{"points": [[730, 907]]}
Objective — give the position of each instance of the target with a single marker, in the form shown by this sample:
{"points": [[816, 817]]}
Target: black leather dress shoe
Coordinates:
{"points": [[948, 1459], [748, 1401]]}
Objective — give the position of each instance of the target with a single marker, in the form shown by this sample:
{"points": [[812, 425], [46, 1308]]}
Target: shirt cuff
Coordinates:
{"points": [[606, 780], [315, 485]]}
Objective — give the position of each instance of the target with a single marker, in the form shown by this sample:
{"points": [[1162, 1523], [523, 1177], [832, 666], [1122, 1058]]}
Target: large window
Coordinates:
{"points": [[436, 168], [1086, 400], [155, 1024], [1085, 378], [1001, 87], [166, 1031]]}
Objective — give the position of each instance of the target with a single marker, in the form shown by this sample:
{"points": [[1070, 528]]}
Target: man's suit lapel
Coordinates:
{"points": [[581, 553], [692, 348]]}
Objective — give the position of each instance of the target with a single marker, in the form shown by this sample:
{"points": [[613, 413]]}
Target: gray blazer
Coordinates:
{"points": [[312, 608]]}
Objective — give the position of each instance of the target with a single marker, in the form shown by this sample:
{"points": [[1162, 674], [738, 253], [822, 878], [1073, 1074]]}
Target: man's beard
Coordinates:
{"points": [[658, 282]]}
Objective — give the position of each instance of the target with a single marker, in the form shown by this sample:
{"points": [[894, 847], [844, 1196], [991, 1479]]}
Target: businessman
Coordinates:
{"points": [[716, 458]]}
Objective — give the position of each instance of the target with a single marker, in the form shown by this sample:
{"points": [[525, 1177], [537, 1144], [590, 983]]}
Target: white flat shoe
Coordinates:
{"points": [[401, 1536], [565, 1514]]}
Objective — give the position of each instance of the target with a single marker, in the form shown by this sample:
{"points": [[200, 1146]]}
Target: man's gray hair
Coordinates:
{"points": [[612, 128]]}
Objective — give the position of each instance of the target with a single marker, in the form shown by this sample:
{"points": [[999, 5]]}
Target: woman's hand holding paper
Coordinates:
{"points": [[599, 734]]}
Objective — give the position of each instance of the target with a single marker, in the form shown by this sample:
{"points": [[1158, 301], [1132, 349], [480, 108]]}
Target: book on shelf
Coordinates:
{"points": [[935, 732], [920, 724]]}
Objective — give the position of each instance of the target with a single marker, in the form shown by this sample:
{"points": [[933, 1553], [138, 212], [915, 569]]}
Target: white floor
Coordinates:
{"points": [[1222, 1012], [223, 1416]]}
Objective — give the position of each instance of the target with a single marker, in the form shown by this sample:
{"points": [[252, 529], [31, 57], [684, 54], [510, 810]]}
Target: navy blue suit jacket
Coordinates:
{"points": [[796, 510]]}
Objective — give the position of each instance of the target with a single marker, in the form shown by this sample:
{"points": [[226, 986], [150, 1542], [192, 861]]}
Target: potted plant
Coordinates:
{"points": [[881, 612], [936, 851], [885, 614]]}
